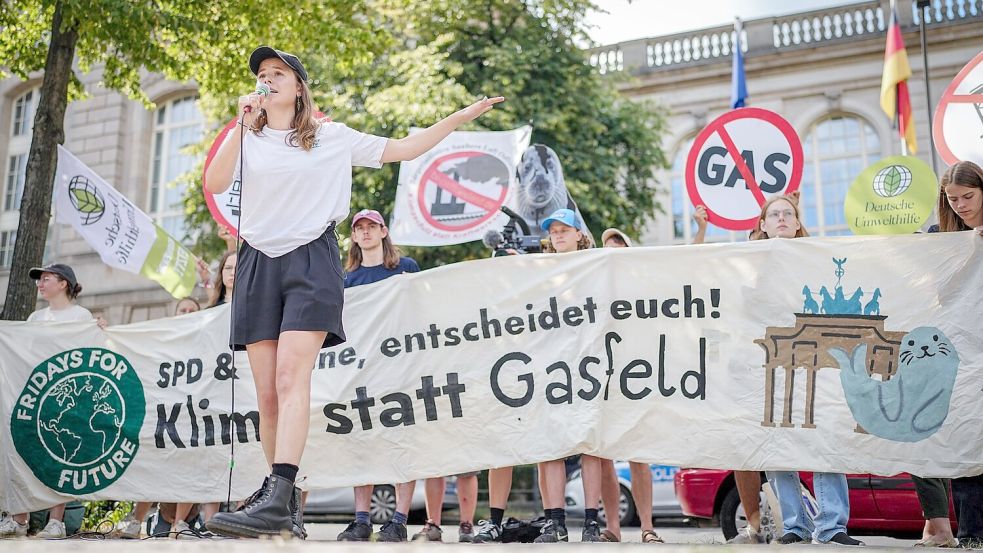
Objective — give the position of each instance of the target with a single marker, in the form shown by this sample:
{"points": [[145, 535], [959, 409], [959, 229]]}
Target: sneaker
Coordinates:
{"points": [[841, 538], [488, 532], [552, 533], [430, 532], [591, 533], [181, 531], [10, 528], [55, 529], [790, 538], [391, 532], [128, 528], [971, 543], [356, 532], [747, 536], [465, 532]]}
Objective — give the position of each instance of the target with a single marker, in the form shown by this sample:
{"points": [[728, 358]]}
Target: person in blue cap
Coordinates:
{"points": [[565, 232], [566, 235]]}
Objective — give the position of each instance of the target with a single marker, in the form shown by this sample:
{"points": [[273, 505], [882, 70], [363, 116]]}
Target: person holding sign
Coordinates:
{"points": [[296, 178], [960, 209], [372, 258], [780, 219], [566, 236], [641, 473]]}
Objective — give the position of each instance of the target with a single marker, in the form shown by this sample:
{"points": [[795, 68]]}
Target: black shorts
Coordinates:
{"points": [[300, 290]]}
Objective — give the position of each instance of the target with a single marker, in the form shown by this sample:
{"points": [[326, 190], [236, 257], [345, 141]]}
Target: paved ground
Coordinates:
{"points": [[679, 539]]}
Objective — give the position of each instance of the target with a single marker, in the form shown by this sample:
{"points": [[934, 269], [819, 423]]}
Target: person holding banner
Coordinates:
{"points": [[566, 236], [960, 209], [296, 185], [58, 286], [641, 473], [372, 258], [780, 219]]}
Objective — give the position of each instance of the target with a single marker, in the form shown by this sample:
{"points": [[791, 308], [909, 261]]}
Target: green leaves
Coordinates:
{"points": [[892, 181], [86, 201]]}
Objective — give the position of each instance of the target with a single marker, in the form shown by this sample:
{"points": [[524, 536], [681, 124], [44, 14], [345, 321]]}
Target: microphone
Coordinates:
{"points": [[262, 89], [493, 239]]}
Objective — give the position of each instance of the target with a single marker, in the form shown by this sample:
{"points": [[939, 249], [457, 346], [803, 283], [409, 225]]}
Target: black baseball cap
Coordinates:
{"points": [[60, 269], [265, 53]]}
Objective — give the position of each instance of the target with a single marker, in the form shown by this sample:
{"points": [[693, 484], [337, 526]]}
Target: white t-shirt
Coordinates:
{"points": [[290, 195], [73, 313]]}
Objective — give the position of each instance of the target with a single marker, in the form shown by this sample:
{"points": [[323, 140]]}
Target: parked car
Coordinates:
{"points": [[878, 504], [664, 502], [341, 501]]}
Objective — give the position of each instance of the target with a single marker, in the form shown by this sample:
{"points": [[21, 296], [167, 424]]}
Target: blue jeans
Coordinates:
{"points": [[831, 494]]}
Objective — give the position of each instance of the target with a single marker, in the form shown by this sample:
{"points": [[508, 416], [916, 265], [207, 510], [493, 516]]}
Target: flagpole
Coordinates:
{"points": [[922, 4]]}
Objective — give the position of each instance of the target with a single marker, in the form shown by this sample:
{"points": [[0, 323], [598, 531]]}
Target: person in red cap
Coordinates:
{"points": [[295, 174], [373, 256]]}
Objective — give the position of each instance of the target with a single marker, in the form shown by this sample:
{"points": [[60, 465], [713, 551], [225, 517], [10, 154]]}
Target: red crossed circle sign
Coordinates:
{"points": [[225, 206], [461, 190], [958, 124], [740, 160]]}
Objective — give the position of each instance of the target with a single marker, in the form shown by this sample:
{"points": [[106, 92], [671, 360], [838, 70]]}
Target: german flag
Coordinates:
{"points": [[894, 83]]}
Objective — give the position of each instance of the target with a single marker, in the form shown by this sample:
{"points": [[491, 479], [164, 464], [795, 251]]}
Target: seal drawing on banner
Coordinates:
{"points": [[897, 385], [77, 422], [913, 404]]}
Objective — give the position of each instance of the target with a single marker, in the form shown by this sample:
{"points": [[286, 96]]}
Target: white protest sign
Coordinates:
{"points": [[958, 123], [453, 193], [738, 161]]}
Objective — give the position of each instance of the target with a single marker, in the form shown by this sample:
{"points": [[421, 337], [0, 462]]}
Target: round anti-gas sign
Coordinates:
{"points": [[77, 421]]}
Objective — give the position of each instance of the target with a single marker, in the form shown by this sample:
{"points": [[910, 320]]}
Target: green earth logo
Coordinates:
{"points": [[87, 199], [77, 422], [892, 181]]}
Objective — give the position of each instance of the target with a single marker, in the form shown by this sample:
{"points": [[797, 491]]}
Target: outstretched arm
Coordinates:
{"points": [[411, 147]]}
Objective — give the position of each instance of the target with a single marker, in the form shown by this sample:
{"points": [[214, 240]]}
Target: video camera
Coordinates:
{"points": [[509, 238]]}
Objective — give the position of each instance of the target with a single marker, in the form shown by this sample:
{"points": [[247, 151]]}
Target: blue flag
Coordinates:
{"points": [[738, 85]]}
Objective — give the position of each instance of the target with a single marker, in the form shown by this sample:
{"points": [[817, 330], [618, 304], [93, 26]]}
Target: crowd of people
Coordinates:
{"points": [[290, 263]]}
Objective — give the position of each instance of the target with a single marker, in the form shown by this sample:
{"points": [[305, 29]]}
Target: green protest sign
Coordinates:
{"points": [[893, 196]]}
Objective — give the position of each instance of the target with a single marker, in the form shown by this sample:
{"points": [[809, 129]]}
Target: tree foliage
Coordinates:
{"points": [[440, 55], [181, 39]]}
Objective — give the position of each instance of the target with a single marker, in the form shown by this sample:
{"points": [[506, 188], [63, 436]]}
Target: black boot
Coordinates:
{"points": [[297, 514], [268, 515]]}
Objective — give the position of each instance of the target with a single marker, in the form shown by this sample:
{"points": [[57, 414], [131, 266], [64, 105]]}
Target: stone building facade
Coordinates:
{"points": [[821, 70]]}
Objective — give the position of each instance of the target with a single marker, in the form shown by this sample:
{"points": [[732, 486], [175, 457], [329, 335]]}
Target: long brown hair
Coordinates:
{"points": [[218, 283], [304, 125], [390, 254], [758, 234], [964, 173]]}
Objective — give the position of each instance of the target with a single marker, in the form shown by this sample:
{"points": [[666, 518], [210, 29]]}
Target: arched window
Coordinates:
{"points": [[15, 170], [837, 149], [683, 226], [21, 124], [178, 124]]}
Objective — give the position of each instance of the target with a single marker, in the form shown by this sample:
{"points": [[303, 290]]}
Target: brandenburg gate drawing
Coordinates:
{"points": [[804, 346], [838, 322]]}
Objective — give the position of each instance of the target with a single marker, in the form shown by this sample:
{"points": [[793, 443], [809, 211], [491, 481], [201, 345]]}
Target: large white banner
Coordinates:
{"points": [[121, 233], [453, 193], [826, 354]]}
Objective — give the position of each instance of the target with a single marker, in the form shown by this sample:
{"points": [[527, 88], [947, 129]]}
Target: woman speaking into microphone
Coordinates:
{"points": [[296, 174]]}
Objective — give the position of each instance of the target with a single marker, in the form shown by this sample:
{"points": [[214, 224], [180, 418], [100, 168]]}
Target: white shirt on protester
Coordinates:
{"points": [[290, 195], [74, 313]]}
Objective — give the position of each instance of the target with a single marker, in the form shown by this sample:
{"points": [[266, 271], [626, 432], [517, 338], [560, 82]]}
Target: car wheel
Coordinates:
{"points": [[626, 508], [383, 504], [731, 514]]}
